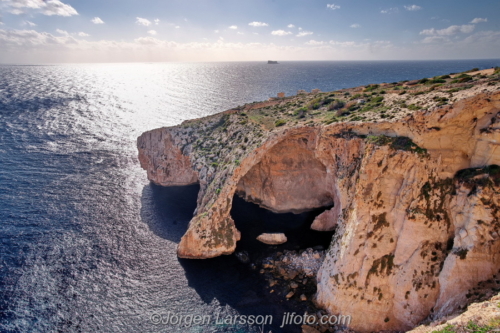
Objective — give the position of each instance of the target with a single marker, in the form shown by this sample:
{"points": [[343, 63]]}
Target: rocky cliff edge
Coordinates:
{"points": [[411, 170]]}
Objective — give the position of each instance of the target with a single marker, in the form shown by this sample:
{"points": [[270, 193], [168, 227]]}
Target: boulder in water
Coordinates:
{"points": [[272, 239]]}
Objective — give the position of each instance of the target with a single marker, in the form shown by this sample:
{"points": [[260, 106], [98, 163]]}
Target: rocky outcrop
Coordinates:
{"points": [[326, 221], [272, 239], [415, 204], [163, 159]]}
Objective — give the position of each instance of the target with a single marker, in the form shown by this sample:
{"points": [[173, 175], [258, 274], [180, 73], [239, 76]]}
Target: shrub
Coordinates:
{"points": [[397, 143], [280, 122], [342, 112], [371, 87], [300, 113], [314, 104], [335, 105], [462, 253], [332, 120], [437, 81], [465, 79]]}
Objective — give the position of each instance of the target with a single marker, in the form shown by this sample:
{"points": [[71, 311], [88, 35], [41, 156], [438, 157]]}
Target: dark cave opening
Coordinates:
{"points": [[252, 220]]}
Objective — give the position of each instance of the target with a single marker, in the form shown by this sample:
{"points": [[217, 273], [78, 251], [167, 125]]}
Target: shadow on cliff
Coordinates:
{"points": [[168, 210]]}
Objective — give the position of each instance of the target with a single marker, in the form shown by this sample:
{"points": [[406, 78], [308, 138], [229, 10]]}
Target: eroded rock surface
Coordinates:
{"points": [[415, 198]]}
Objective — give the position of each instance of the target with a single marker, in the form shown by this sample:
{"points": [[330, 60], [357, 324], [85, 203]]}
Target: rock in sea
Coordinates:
{"points": [[272, 239]]}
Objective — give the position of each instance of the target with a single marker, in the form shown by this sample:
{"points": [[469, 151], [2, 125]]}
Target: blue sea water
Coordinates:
{"points": [[87, 244]]}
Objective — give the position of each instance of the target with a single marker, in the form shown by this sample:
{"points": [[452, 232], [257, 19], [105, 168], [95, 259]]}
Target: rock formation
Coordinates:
{"points": [[272, 239], [412, 178]]}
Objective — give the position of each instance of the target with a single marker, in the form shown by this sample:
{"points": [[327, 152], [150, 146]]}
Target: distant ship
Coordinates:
{"points": [[272, 62]]}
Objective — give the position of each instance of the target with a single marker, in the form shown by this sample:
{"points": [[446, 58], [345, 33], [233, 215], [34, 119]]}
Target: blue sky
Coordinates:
{"points": [[34, 31]]}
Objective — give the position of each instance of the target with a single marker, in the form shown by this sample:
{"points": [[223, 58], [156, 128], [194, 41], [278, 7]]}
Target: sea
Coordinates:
{"points": [[87, 244]]}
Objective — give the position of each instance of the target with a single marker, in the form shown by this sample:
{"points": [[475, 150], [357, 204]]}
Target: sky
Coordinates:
{"points": [[74, 31]]}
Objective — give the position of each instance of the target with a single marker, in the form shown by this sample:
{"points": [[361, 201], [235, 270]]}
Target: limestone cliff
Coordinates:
{"points": [[410, 171]]}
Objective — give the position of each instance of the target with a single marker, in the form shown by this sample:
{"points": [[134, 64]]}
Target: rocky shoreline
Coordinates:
{"points": [[291, 276]]}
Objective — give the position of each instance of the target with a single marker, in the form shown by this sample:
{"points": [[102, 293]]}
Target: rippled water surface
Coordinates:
{"points": [[87, 244]]}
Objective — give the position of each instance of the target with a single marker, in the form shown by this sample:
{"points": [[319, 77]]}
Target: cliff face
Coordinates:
{"points": [[415, 202]]}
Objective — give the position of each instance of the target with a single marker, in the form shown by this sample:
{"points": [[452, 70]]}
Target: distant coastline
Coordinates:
{"points": [[272, 62]]}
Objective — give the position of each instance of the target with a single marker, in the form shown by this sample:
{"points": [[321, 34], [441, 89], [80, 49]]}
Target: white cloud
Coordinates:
{"points": [[390, 10], [451, 30], [337, 43], [434, 39], [216, 31], [152, 32], [55, 7], [31, 24], [413, 8], [480, 44], [258, 24], [240, 33], [479, 20], [29, 46], [314, 42], [67, 34], [177, 27], [157, 21], [290, 26], [233, 27], [332, 6], [355, 25], [62, 32], [97, 20], [148, 41], [280, 33], [467, 29], [304, 33], [30, 38], [142, 21], [49, 8]]}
